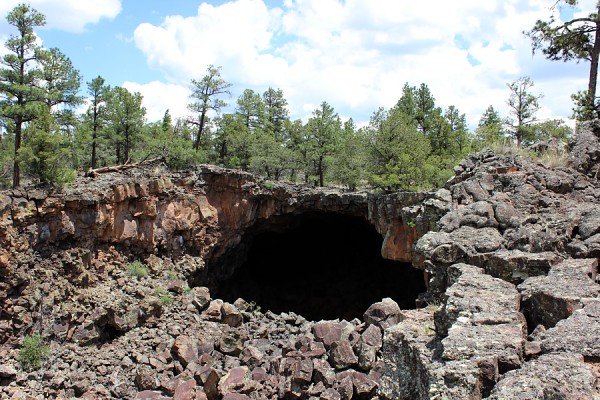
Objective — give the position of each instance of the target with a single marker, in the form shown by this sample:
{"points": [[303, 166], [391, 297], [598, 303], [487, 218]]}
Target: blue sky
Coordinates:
{"points": [[354, 54]]}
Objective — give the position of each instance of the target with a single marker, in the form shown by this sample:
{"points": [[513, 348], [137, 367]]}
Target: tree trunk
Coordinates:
{"points": [[594, 69], [16, 167], [321, 180], [200, 130], [127, 144], [94, 136]]}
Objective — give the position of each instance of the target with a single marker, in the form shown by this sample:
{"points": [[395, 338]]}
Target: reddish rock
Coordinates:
{"points": [[186, 349], [185, 391], [302, 371], [341, 355], [200, 297], [330, 394], [384, 314], [235, 396], [145, 378], [259, 374], [231, 315], [150, 395], [364, 386], [344, 386], [322, 372], [327, 332], [213, 312], [209, 378], [251, 355], [7, 372], [234, 380], [372, 336]]}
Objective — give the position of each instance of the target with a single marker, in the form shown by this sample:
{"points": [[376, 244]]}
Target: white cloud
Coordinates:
{"points": [[68, 15], [159, 96], [357, 54]]}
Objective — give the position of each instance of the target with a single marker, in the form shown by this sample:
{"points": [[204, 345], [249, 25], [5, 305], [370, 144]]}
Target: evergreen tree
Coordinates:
{"points": [[398, 152], [349, 161], [323, 132], [251, 110], [276, 112], [45, 151], [523, 107], [489, 129], [126, 121], [21, 96], [577, 39], [96, 115], [205, 93]]}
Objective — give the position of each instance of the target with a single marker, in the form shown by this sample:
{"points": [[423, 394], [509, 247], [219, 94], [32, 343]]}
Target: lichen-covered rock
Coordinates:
{"points": [[552, 376], [552, 298], [578, 333]]}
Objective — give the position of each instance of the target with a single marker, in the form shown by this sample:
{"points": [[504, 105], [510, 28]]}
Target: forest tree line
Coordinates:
{"points": [[412, 146]]}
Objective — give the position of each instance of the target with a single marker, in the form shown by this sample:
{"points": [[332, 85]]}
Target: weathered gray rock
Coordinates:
{"points": [[577, 334], [552, 298], [515, 265], [552, 376]]}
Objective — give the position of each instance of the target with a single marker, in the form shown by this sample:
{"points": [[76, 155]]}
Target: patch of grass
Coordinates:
{"points": [[33, 352], [171, 275], [137, 269], [509, 148], [159, 291], [554, 159], [187, 290], [166, 299]]}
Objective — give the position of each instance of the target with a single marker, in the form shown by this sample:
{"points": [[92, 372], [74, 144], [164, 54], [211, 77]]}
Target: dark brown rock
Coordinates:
{"points": [[341, 355], [383, 314]]}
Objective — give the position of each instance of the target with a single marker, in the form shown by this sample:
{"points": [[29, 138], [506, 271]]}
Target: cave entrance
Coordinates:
{"points": [[319, 265]]}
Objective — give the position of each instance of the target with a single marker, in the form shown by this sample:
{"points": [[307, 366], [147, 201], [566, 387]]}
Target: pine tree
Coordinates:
{"points": [[22, 97]]}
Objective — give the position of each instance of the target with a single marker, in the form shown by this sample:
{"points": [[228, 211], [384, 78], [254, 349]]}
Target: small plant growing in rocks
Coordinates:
{"points": [[166, 299], [268, 185], [137, 269], [33, 352], [171, 275]]}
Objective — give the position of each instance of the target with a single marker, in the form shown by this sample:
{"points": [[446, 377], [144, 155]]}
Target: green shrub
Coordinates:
{"points": [[33, 352], [166, 299], [268, 185], [137, 269]]}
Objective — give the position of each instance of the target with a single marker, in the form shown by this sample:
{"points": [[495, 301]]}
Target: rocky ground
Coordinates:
{"points": [[510, 249]]}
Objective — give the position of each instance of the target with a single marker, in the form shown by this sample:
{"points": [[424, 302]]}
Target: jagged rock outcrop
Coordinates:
{"points": [[512, 310]]}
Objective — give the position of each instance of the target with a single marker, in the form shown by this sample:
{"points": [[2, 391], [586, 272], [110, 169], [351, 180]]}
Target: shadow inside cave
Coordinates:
{"points": [[318, 265]]}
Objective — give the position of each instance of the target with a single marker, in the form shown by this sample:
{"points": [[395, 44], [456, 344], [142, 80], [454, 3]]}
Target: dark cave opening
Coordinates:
{"points": [[318, 265]]}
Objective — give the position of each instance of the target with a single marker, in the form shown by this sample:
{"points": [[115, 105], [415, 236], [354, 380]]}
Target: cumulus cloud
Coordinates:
{"points": [[69, 15], [357, 54], [159, 96]]}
